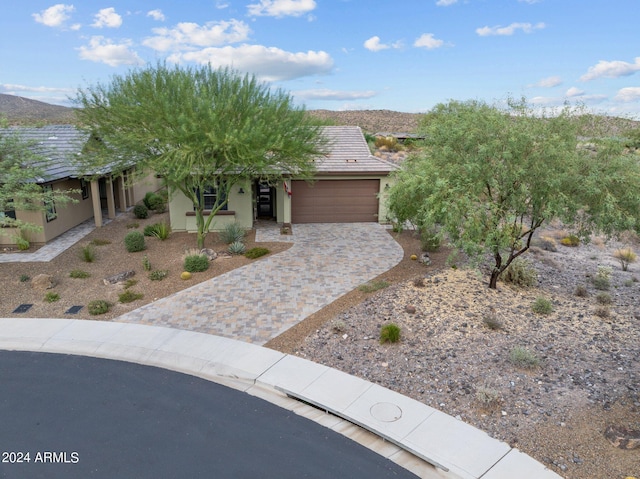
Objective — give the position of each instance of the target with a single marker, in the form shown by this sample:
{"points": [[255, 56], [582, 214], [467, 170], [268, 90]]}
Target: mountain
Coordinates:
{"points": [[19, 111], [372, 121]]}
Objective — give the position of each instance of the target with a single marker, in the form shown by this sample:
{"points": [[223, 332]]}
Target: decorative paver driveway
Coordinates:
{"points": [[261, 300]]}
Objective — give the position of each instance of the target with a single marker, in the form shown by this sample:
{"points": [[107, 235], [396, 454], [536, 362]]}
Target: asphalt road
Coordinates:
{"points": [[79, 417]]}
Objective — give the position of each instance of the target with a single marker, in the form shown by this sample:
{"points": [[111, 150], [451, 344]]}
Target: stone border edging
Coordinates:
{"points": [[465, 451]]}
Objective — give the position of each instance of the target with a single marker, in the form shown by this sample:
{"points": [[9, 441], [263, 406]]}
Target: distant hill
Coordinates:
{"points": [[372, 121], [19, 111]]}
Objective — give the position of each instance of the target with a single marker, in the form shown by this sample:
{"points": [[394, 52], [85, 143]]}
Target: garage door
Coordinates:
{"points": [[334, 201]]}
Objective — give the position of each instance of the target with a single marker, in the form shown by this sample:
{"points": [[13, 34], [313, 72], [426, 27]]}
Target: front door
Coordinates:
{"points": [[265, 200]]}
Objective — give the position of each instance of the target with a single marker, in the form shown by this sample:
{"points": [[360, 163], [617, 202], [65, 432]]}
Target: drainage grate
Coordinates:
{"points": [[23, 308], [73, 310]]}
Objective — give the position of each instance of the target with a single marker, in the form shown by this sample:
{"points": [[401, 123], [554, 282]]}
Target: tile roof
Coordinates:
{"points": [[349, 153], [58, 145]]}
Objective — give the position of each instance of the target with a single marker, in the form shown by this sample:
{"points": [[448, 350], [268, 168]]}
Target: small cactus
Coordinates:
{"points": [[185, 275]]}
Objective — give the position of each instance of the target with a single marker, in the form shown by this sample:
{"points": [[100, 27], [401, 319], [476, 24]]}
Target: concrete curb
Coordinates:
{"points": [[412, 428]]}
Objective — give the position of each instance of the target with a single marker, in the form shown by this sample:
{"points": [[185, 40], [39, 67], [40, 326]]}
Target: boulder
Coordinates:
{"points": [[209, 253], [622, 437], [118, 278], [43, 281], [425, 259]]}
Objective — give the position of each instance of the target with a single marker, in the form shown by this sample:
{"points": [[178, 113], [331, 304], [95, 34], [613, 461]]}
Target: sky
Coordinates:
{"points": [[403, 55]]}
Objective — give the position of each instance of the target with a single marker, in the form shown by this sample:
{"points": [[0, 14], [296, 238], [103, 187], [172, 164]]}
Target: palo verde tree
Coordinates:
{"points": [[199, 128], [21, 172], [490, 177]]}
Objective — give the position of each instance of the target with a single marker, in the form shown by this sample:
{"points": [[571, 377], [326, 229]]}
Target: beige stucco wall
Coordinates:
{"points": [[142, 185], [68, 216], [240, 204]]}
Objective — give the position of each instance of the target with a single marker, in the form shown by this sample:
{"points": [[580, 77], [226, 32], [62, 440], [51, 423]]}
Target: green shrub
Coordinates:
{"points": [[130, 283], [161, 231], [488, 398], [372, 286], [195, 263], [148, 230], [88, 253], [24, 278], [542, 306], [78, 273], [146, 263], [602, 279], [98, 306], [158, 274], [147, 199], [237, 247], [390, 333], [254, 253], [626, 256], [571, 240], [232, 233], [22, 243], [523, 358], [520, 273], [51, 297], [604, 298], [129, 296], [134, 241], [430, 240], [140, 211]]}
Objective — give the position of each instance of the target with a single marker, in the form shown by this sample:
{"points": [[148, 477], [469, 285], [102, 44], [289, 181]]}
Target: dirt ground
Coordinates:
{"points": [[587, 378]]}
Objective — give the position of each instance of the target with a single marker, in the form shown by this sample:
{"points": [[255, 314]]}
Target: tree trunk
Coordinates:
{"points": [[201, 228], [493, 281]]}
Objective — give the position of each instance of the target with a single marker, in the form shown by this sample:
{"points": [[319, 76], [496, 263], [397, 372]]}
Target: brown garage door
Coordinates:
{"points": [[334, 201]]}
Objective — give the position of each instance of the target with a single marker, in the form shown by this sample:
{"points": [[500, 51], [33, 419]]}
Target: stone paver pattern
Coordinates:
{"points": [[263, 299]]}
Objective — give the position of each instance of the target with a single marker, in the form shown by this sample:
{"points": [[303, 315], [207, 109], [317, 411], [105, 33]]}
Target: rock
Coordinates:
{"points": [[118, 278], [209, 253], [622, 437], [43, 281], [425, 259], [410, 309]]}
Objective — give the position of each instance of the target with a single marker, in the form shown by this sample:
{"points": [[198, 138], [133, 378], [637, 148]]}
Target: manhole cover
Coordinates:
{"points": [[23, 308], [386, 412]]}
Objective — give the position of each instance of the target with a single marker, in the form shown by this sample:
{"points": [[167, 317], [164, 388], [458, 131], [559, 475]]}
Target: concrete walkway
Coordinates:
{"points": [[263, 299]]}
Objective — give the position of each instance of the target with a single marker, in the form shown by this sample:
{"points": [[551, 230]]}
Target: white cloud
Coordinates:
{"points": [[220, 5], [107, 17], [156, 15], [445, 3], [185, 36], [628, 94], [509, 30], [281, 8], [612, 69], [373, 44], [12, 88], [548, 82], [54, 16], [573, 92], [334, 95], [531, 2], [428, 41], [267, 63], [103, 50]]}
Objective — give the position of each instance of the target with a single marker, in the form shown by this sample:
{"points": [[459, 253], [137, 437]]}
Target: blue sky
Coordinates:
{"points": [[405, 55]]}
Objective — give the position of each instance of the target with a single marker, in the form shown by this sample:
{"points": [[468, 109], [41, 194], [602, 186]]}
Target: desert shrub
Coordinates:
{"points": [[254, 253], [146, 263], [98, 306], [24, 278], [387, 142], [429, 240], [78, 273], [488, 398], [520, 273], [237, 247], [547, 243], [100, 242], [602, 279], [195, 263], [161, 231], [604, 298], [158, 274], [338, 326], [88, 253], [626, 256], [372, 286], [523, 358], [140, 211], [51, 297], [570, 240], [581, 291], [128, 296], [130, 283], [390, 333], [542, 306], [419, 282], [492, 321], [134, 241], [232, 233], [148, 230], [155, 202], [602, 312], [22, 243]]}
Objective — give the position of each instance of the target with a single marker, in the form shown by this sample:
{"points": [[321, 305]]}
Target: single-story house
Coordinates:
{"points": [[59, 146], [349, 186]]}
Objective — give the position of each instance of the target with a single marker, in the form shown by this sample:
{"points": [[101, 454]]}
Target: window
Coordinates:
{"points": [[10, 213], [49, 204], [84, 188], [212, 198]]}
